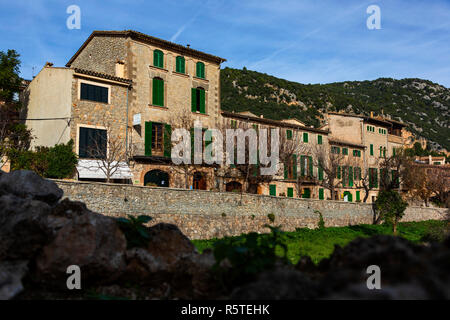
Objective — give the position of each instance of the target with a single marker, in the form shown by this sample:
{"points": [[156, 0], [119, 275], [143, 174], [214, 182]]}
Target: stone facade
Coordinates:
{"points": [[206, 214]]}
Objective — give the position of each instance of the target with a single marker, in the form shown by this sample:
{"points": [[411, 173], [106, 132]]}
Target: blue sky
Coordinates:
{"points": [[307, 41]]}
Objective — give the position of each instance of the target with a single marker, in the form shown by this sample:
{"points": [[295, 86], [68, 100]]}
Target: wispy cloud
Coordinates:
{"points": [[183, 27]]}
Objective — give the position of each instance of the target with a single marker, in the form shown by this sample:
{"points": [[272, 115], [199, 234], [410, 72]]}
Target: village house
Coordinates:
{"points": [[123, 92]]}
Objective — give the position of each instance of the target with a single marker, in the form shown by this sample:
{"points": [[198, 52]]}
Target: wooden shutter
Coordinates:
{"points": [[310, 167], [339, 172], [371, 149], [302, 165], [273, 190], [319, 139], [167, 140], [350, 176], [157, 85], [294, 165], [321, 197], [305, 136], [193, 100], [202, 100], [148, 139]]}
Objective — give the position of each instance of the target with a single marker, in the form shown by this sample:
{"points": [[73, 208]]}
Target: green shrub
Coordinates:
{"points": [[271, 217], [56, 162], [321, 223], [135, 230]]}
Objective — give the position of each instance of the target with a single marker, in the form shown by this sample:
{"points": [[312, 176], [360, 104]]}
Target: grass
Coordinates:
{"points": [[319, 243]]}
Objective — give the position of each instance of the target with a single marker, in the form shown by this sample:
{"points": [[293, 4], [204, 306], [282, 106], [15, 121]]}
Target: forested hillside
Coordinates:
{"points": [[423, 105]]}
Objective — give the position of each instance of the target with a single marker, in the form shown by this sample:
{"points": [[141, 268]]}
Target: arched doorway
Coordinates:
{"points": [[156, 178], [253, 188], [233, 186], [199, 181]]}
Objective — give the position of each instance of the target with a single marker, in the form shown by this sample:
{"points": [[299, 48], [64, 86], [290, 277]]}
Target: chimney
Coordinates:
{"points": [[48, 64], [371, 114], [188, 45], [261, 116]]}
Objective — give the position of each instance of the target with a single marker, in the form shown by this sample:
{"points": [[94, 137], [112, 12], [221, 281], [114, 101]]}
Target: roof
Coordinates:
{"points": [[135, 35], [272, 122], [378, 119], [345, 143], [102, 75]]}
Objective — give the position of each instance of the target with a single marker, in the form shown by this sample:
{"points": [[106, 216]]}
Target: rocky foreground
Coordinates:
{"points": [[42, 235]]}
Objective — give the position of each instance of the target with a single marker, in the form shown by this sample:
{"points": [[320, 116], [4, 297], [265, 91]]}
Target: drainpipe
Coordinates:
{"points": [[126, 128]]}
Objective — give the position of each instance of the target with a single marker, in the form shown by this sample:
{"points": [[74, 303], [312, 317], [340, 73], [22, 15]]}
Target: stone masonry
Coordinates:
{"points": [[205, 214]]}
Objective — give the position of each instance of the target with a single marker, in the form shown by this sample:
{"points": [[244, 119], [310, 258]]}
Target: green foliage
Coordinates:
{"points": [[9, 75], [321, 223], [319, 243], [436, 233], [259, 93], [271, 217], [135, 230], [56, 162], [248, 255], [390, 206]]}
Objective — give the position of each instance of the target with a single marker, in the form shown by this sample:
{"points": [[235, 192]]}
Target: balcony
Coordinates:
{"points": [[395, 139]]}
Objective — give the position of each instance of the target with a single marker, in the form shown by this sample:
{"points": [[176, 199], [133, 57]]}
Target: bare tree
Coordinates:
{"points": [[438, 182], [331, 164]]}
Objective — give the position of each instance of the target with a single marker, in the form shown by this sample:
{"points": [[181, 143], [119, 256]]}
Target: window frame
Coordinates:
{"points": [[94, 83], [87, 126]]}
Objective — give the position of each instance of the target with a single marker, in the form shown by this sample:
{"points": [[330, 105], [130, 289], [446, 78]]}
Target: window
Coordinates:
{"points": [[306, 166], [158, 58], [320, 171], [357, 173], [305, 137], [158, 92], [289, 134], [319, 139], [381, 151], [345, 151], [233, 124], [373, 178], [273, 190], [358, 196], [157, 139], [350, 176], [198, 100], [335, 150], [200, 70], [94, 93], [180, 65], [371, 149], [393, 152], [357, 153], [290, 192], [384, 152], [321, 195], [92, 143], [255, 126], [290, 169]]}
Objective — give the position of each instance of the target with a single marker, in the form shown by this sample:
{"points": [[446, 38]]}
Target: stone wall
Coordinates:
{"points": [[206, 214]]}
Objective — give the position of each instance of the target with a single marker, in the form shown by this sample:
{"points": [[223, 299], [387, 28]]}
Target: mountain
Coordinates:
{"points": [[423, 105]]}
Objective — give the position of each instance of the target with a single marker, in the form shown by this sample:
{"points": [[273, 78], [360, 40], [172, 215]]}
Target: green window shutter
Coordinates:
{"points": [[294, 165], [180, 64], [371, 149], [338, 150], [148, 139], [200, 70], [376, 178], [305, 137], [310, 167], [344, 175], [202, 101], [158, 59], [393, 152], [290, 192], [345, 151], [286, 171], [339, 172], [302, 165], [158, 92], [289, 134], [358, 196], [319, 139], [306, 193], [273, 190], [193, 99], [350, 176], [320, 173], [167, 140], [321, 196]]}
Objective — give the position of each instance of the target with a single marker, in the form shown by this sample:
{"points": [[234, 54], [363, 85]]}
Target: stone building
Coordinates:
{"points": [[124, 91]]}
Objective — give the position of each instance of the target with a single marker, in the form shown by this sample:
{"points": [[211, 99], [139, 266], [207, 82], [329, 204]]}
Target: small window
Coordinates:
{"points": [[335, 150], [233, 124], [305, 137], [157, 138], [319, 139], [321, 195], [158, 58], [289, 134], [94, 93], [345, 151], [92, 143], [371, 149], [200, 70], [290, 192], [273, 190], [180, 65]]}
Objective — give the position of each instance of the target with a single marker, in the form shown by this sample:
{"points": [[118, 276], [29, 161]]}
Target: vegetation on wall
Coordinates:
{"points": [[423, 105]]}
